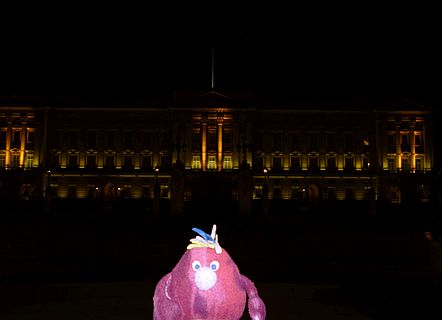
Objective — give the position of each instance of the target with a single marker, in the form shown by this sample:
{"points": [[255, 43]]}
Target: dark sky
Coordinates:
{"points": [[316, 48]]}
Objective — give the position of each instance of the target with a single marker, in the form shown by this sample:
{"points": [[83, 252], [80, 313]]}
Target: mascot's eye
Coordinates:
{"points": [[196, 265], [214, 265]]}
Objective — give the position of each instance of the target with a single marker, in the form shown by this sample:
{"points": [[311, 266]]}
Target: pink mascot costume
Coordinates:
{"points": [[206, 284]]}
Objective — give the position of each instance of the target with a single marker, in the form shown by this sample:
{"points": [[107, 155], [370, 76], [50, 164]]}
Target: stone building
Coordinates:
{"points": [[217, 149]]}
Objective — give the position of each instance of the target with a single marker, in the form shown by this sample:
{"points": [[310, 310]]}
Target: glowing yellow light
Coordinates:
{"points": [[204, 148], [220, 146]]}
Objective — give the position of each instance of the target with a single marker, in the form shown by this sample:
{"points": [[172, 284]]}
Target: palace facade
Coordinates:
{"points": [[210, 146]]}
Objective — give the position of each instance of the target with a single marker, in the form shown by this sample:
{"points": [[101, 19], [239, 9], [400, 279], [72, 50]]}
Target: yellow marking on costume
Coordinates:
{"points": [[200, 242], [197, 244]]}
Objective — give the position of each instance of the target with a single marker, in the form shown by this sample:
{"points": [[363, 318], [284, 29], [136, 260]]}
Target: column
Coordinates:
{"points": [[204, 146], [8, 145], [23, 137], [398, 147], [220, 145], [412, 149]]}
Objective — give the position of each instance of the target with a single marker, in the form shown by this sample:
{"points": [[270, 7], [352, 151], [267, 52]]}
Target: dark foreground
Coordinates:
{"points": [[133, 300], [104, 265]]}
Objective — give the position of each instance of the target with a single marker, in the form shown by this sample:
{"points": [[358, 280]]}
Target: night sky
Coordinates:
{"points": [[325, 49]]}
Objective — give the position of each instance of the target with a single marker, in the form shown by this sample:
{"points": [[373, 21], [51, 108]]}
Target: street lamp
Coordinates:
{"points": [[156, 193], [265, 171], [157, 171], [265, 193], [48, 187]]}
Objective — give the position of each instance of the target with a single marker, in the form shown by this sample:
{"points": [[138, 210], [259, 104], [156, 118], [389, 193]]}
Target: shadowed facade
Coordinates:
{"points": [[219, 151]]}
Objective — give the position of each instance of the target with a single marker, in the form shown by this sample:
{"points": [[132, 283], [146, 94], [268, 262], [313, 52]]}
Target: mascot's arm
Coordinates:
{"points": [[257, 309], [164, 308]]}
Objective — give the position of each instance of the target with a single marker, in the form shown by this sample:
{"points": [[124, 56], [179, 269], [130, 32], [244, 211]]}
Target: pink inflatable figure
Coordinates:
{"points": [[206, 285]]}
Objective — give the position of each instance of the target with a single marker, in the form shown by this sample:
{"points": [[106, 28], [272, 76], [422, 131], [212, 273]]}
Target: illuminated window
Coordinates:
{"points": [[405, 164], [277, 163], [405, 146], [91, 161], [331, 163], [227, 137], [212, 138], [146, 162], [16, 139], [127, 161], [196, 162], [15, 163], [212, 163], [2, 160], [365, 163], [196, 138], [259, 163], [404, 139], [417, 140], [73, 161], [164, 161], [227, 162], [29, 160], [313, 163], [419, 166], [164, 192], [349, 164], [30, 136], [109, 161], [365, 141], [391, 143], [295, 163], [16, 136], [391, 164]]}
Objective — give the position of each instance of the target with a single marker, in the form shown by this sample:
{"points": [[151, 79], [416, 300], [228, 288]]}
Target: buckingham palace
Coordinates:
{"points": [[221, 148]]}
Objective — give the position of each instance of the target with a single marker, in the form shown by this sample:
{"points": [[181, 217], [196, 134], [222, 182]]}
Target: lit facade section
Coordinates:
{"points": [[313, 155]]}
